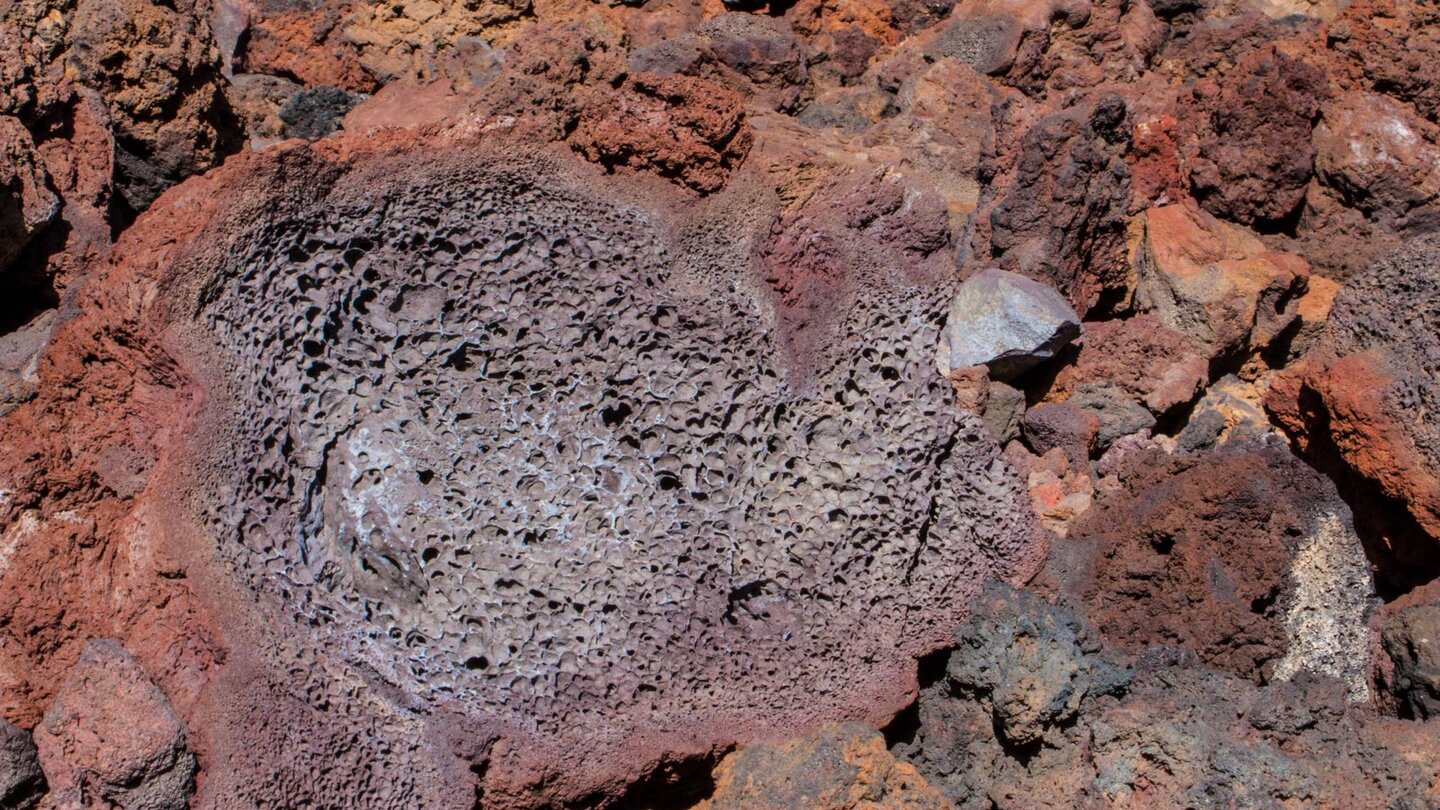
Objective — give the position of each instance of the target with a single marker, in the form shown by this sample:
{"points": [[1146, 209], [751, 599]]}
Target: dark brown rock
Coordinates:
{"points": [[1253, 159], [1412, 640], [1225, 554], [1062, 221]]}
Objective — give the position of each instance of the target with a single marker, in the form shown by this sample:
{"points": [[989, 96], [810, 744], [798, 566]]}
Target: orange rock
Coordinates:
{"points": [[845, 767], [1216, 283]]}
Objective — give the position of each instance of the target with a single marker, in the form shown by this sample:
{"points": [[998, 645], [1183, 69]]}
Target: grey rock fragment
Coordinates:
{"points": [[1006, 322], [21, 782], [1003, 411], [1033, 664], [1119, 415]]}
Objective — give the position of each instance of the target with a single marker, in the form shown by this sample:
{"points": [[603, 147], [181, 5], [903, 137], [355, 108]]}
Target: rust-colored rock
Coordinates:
{"points": [[1233, 555], [1215, 283], [1358, 403], [1156, 365], [840, 768]]}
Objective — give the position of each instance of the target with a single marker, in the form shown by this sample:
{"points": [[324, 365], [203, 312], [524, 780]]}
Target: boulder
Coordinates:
{"points": [[1062, 217], [1167, 732], [1363, 403], [1117, 414], [1032, 666], [1065, 425], [1215, 283], [1006, 322], [111, 736], [1151, 363], [1252, 159], [1244, 556], [1379, 156]]}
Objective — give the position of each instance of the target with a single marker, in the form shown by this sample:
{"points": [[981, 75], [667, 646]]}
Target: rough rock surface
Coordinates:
{"points": [[532, 403], [843, 767], [1412, 639], [21, 782], [112, 738], [1194, 543], [1166, 732], [358, 518], [1216, 284], [1361, 402], [1005, 322]]}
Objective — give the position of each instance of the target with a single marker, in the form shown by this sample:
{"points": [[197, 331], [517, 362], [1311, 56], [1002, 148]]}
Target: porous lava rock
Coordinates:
{"points": [[111, 738], [1361, 403], [508, 461], [1242, 555]]}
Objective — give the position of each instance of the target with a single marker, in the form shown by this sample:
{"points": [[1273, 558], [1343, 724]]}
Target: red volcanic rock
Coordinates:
{"points": [[1404, 31], [1154, 364], [1359, 402], [1062, 221], [298, 43], [1216, 283], [1253, 158], [1380, 157], [1052, 425], [1235, 555], [111, 737], [675, 126], [26, 202], [157, 68]]}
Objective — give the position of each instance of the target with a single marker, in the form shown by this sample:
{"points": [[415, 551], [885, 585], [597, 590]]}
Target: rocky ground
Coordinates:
{"points": [[804, 404]]}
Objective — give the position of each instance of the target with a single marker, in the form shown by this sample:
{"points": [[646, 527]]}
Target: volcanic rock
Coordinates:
{"points": [[111, 736], [1362, 400], [1215, 283], [316, 112], [1380, 156], [1062, 425], [1168, 732], [1254, 159], [1195, 543], [1117, 414], [580, 367], [1062, 220], [27, 203], [21, 781], [1030, 666], [1152, 363], [1005, 322], [1412, 640], [843, 767]]}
